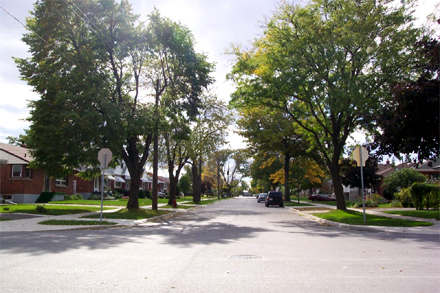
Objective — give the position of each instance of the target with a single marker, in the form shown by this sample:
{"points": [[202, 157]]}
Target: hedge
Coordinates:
{"points": [[425, 195]]}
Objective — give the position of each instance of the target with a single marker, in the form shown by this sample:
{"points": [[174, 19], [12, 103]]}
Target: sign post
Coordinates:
{"points": [[360, 155], [104, 156]]}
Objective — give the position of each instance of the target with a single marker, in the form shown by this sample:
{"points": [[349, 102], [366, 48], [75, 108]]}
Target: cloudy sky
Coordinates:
{"points": [[216, 24]]}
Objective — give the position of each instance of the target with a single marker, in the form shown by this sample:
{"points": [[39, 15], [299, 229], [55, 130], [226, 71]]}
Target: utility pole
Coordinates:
{"points": [[218, 177]]}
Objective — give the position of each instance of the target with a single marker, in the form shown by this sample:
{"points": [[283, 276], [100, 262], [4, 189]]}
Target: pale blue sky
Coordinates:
{"points": [[216, 24]]}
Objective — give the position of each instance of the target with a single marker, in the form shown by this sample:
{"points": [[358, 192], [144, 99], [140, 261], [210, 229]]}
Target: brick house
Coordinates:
{"points": [[430, 169], [21, 184], [387, 169]]}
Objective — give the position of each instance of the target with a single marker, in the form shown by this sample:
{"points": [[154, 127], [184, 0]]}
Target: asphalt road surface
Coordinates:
{"points": [[235, 246]]}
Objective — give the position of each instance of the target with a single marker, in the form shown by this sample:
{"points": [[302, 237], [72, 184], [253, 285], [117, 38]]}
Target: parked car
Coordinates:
{"points": [[320, 197], [161, 195], [274, 198], [261, 197]]}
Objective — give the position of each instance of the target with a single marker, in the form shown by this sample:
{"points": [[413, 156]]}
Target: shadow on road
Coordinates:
{"points": [[311, 228], [192, 228]]}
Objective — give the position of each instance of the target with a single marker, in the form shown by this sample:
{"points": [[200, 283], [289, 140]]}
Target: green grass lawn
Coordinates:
{"points": [[50, 209], [75, 223], [357, 218], [203, 202], [294, 203], [130, 214], [179, 206], [419, 214], [348, 203], [117, 202]]}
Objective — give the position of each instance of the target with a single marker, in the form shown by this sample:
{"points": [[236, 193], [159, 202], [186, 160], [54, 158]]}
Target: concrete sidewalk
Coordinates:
{"points": [[30, 222], [434, 229]]}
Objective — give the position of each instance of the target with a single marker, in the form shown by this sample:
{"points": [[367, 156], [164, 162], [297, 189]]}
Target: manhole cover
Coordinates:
{"points": [[244, 256]]}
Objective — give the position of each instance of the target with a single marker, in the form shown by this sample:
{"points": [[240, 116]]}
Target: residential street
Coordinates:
{"points": [[236, 245]]}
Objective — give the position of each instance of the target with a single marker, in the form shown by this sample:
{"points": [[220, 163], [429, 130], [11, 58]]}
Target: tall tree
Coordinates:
{"points": [[176, 155], [208, 134], [176, 69], [328, 65], [234, 165], [262, 167], [86, 61], [272, 130], [409, 122]]}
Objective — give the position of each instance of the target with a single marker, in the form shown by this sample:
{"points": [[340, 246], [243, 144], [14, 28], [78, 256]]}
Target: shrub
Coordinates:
{"points": [[396, 204], [404, 197], [147, 194], [95, 197], [142, 193], [425, 195], [377, 198], [388, 194], [73, 197], [369, 203], [41, 209], [117, 194]]}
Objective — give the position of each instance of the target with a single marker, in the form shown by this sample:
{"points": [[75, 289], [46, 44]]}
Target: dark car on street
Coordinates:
{"points": [[320, 197], [261, 197], [274, 198]]}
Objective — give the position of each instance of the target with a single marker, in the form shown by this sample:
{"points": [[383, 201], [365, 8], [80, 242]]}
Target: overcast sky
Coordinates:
{"points": [[216, 24]]}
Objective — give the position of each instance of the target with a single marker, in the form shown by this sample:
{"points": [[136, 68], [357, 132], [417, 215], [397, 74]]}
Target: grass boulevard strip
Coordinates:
{"points": [[90, 206], [93, 206]]}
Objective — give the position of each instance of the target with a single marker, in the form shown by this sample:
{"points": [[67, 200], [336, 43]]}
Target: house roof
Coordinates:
{"points": [[387, 169], [14, 154], [430, 167], [163, 179]]}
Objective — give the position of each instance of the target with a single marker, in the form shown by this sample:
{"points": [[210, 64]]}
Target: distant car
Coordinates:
{"points": [[261, 197], [320, 197], [274, 198], [161, 195]]}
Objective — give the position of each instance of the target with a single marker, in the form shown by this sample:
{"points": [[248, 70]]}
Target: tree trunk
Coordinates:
{"points": [[286, 176], [337, 184], [155, 170], [197, 183], [133, 193], [173, 189]]}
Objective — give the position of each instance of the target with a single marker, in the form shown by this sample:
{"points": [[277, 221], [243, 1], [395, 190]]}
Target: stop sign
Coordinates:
{"points": [[360, 155], [104, 156]]}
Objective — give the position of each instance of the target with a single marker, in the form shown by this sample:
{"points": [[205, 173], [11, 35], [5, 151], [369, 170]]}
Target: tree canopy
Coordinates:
{"points": [[409, 122], [328, 66], [92, 64], [402, 178]]}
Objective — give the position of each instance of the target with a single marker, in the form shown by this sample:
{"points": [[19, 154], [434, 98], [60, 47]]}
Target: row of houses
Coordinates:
{"points": [[431, 170], [21, 184]]}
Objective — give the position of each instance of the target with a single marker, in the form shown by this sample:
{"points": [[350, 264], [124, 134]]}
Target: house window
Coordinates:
{"points": [[28, 172], [16, 170], [96, 185], [61, 181], [118, 184]]}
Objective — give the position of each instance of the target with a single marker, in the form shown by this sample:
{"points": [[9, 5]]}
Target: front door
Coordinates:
{"points": [[46, 183]]}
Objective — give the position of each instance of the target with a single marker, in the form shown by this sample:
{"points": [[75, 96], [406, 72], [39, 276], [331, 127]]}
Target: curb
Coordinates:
{"points": [[134, 223], [335, 224]]}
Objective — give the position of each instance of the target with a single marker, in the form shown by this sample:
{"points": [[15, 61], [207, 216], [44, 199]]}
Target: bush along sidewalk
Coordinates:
{"points": [[425, 195]]}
